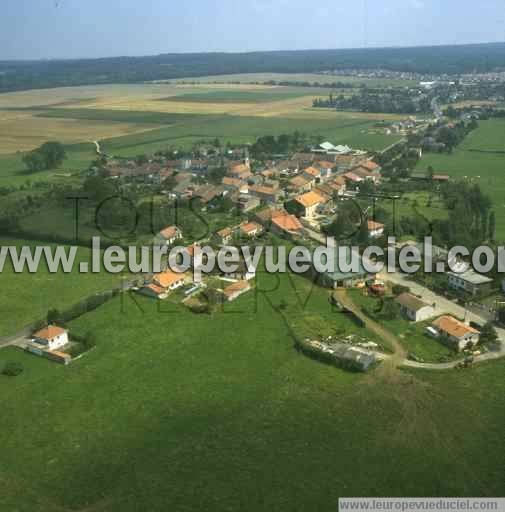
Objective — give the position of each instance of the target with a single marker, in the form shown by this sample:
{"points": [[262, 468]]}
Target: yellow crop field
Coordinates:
{"points": [[26, 128], [21, 130]]}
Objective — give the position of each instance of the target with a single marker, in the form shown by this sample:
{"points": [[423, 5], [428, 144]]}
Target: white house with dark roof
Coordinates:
{"points": [[414, 308]]}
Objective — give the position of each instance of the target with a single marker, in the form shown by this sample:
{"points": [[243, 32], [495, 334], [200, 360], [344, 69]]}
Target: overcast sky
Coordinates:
{"points": [[97, 28]]}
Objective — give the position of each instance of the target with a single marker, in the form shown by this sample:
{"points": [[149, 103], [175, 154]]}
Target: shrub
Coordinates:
{"points": [[12, 369], [398, 289], [54, 317]]}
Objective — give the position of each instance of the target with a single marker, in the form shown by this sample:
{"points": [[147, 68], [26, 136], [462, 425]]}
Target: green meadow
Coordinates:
{"points": [[184, 129], [240, 129], [13, 172], [169, 413], [481, 159], [27, 297]]}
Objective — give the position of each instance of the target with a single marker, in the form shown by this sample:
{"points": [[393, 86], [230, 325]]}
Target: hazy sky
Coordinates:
{"points": [[96, 28]]}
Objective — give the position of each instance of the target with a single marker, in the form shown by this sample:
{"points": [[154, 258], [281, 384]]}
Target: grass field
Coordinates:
{"points": [[478, 159], [341, 130], [174, 411], [59, 221], [27, 297], [14, 173]]}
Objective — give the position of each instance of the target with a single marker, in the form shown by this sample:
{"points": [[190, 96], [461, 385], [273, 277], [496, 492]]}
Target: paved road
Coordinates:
{"points": [[444, 306], [399, 358]]}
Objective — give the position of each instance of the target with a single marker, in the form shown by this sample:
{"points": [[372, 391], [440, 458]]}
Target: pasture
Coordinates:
{"points": [[14, 173], [169, 413], [480, 159], [356, 132], [27, 297]]}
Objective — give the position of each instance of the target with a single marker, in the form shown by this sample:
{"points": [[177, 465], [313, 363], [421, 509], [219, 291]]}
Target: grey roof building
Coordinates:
{"points": [[339, 278]]}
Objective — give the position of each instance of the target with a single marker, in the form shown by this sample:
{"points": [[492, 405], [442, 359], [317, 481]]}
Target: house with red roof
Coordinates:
{"points": [[51, 337]]}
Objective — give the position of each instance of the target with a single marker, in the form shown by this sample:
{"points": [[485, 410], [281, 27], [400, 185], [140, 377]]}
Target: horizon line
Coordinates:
{"points": [[250, 52]]}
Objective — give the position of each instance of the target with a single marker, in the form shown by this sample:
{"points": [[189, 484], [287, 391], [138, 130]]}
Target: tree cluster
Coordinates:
{"points": [[48, 156]]}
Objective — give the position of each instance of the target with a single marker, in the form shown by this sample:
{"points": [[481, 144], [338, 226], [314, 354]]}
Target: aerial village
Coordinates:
{"points": [[296, 198]]}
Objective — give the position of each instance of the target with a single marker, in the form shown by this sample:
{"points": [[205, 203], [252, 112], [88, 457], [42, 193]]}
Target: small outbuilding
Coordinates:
{"points": [[414, 308]]}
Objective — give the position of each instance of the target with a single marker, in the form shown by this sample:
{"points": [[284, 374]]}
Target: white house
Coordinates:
{"points": [[52, 337], [457, 334], [414, 308]]}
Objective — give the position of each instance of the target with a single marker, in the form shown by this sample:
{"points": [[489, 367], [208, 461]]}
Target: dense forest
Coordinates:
{"points": [[17, 75]]}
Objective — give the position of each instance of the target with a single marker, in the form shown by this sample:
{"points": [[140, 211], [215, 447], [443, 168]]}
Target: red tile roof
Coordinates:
{"points": [[49, 332], [167, 278], [287, 222], [311, 199], [373, 226], [453, 327]]}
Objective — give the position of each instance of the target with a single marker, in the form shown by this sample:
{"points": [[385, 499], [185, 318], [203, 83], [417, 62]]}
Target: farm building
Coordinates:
{"points": [[414, 308]]}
